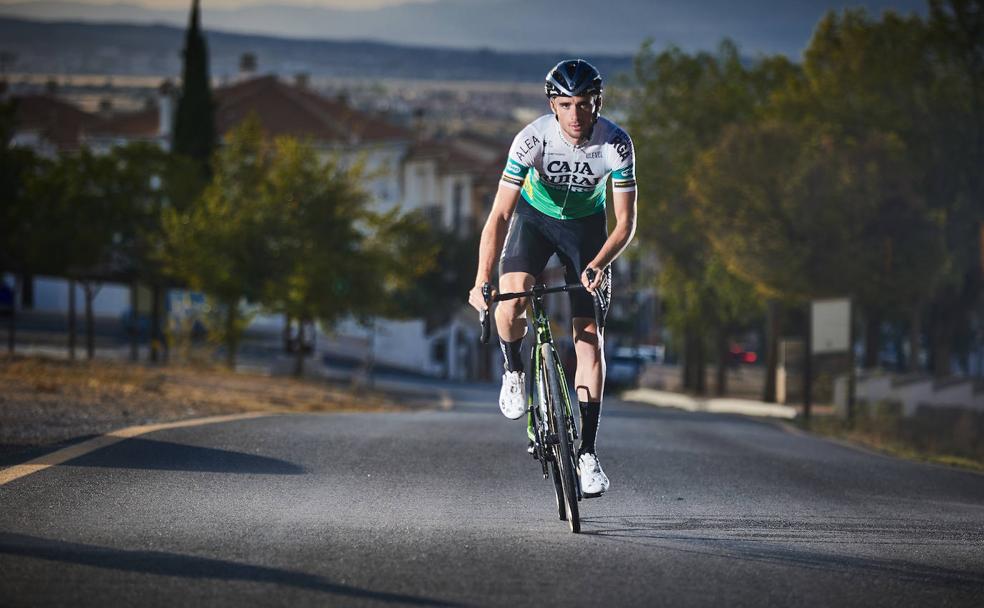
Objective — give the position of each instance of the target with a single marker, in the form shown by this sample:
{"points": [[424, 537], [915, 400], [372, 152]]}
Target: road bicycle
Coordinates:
{"points": [[551, 425]]}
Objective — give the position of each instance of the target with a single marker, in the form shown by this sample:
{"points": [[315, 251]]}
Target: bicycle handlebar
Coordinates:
{"points": [[537, 290]]}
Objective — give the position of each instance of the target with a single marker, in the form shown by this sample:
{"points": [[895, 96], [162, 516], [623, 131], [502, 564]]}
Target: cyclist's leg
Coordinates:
{"points": [[524, 254], [584, 239], [510, 316], [589, 377], [590, 381]]}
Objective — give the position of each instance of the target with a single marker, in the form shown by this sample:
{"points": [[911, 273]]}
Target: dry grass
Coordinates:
{"points": [[882, 436], [45, 401]]}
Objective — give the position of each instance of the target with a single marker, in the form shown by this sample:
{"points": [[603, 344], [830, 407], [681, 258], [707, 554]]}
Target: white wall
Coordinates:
{"points": [[51, 295]]}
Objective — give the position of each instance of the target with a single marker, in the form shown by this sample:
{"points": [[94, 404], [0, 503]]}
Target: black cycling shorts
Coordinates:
{"points": [[534, 236]]}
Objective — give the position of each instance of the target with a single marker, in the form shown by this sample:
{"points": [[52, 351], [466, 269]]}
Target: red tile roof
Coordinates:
{"points": [[282, 109], [290, 110], [142, 123], [452, 157], [59, 122]]}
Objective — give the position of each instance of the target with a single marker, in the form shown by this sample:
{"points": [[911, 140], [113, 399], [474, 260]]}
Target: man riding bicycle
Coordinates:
{"points": [[551, 200]]}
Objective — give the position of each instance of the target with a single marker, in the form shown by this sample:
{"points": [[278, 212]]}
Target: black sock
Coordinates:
{"points": [[511, 353], [590, 414]]}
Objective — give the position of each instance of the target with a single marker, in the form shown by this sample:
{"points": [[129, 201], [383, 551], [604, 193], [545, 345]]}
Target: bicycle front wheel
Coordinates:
{"points": [[557, 412]]}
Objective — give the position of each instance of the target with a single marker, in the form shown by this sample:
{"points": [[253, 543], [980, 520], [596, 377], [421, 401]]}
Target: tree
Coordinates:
{"points": [[803, 217], [956, 43], [679, 104], [72, 225], [220, 244], [432, 295], [194, 121], [281, 228], [333, 255], [912, 82], [193, 138], [148, 180], [18, 228]]}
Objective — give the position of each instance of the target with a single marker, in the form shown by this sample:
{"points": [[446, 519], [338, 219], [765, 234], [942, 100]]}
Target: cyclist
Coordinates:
{"points": [[551, 200]]}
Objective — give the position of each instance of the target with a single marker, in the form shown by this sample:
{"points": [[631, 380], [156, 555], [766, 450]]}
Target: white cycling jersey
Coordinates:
{"points": [[568, 181]]}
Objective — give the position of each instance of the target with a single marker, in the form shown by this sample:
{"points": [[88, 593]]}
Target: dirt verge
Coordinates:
{"points": [[45, 402]]}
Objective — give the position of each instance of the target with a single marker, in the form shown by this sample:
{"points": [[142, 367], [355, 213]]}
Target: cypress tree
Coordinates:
{"points": [[194, 122]]}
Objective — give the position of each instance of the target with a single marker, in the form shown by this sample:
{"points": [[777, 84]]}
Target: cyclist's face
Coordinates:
{"points": [[575, 115]]}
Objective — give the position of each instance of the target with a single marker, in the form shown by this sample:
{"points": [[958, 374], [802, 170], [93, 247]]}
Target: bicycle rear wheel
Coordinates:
{"points": [[564, 448]]}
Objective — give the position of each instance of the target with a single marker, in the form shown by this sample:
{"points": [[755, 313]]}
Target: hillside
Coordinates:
{"points": [[87, 48]]}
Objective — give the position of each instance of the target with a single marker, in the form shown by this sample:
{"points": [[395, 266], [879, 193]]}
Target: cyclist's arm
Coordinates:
{"points": [[493, 236], [624, 206]]}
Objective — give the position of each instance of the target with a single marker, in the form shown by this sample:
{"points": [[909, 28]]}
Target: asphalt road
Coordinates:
{"points": [[445, 508]]}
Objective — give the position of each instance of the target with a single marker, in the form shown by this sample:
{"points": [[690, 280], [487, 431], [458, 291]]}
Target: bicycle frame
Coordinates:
{"points": [[543, 336], [537, 419]]}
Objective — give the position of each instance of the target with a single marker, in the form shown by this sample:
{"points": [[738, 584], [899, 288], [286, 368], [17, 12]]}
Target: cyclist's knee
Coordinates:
{"points": [[511, 309], [586, 335]]}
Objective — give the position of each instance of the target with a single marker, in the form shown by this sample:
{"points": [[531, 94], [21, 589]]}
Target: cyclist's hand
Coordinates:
{"points": [[590, 285], [476, 299]]}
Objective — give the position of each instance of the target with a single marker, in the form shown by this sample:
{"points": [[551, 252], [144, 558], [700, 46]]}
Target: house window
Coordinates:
{"points": [[433, 215]]}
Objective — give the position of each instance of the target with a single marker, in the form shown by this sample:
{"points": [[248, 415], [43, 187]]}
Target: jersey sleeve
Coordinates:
{"points": [[521, 154], [623, 163]]}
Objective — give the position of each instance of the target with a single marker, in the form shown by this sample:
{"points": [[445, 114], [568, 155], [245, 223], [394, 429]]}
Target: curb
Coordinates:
{"points": [[719, 405]]}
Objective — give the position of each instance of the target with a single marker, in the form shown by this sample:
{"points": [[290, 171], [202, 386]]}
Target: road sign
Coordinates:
{"points": [[831, 326]]}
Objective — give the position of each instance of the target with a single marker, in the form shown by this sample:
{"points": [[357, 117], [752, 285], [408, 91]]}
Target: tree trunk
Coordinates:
{"points": [[90, 346], [71, 319], [722, 366], [90, 326], [773, 311], [915, 332], [872, 339], [12, 318], [299, 350], [27, 291], [689, 359], [133, 327], [371, 360], [155, 323], [852, 377], [942, 346], [232, 339], [807, 364], [287, 335], [162, 326], [700, 366]]}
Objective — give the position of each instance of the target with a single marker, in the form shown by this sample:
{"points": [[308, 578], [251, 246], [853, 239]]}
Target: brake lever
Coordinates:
{"points": [[596, 300], [483, 316]]}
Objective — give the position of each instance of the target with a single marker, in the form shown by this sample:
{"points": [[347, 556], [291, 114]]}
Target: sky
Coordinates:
{"points": [[588, 26], [173, 4]]}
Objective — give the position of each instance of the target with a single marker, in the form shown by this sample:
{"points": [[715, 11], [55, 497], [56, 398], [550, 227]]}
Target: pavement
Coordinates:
{"points": [[443, 507], [716, 405]]}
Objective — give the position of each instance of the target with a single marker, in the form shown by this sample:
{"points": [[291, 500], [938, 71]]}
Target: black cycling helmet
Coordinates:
{"points": [[575, 77]]}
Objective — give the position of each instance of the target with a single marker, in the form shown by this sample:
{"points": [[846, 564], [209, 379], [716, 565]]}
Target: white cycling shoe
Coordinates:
{"points": [[512, 397], [594, 482]]}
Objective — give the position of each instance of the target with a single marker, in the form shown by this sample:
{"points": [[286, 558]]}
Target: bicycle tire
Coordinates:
{"points": [[558, 491], [542, 395], [564, 448]]}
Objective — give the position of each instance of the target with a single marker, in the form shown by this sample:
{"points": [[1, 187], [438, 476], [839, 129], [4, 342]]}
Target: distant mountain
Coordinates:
{"points": [[582, 26], [86, 48]]}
